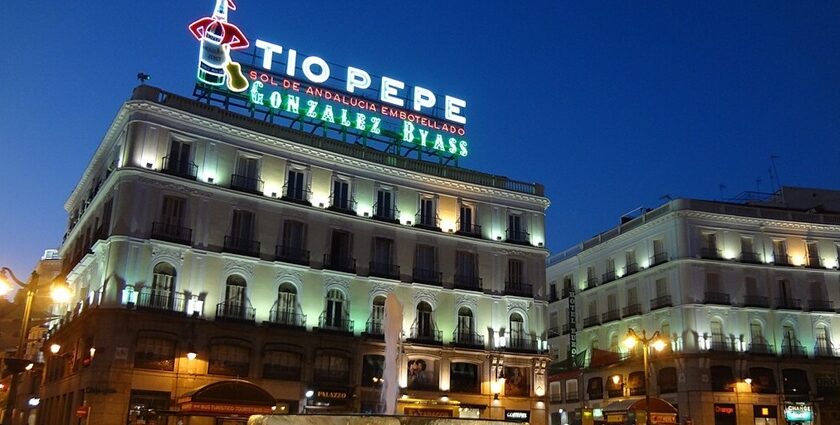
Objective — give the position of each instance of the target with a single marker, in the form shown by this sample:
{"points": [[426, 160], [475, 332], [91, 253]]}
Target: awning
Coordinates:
{"points": [[657, 405], [229, 397]]}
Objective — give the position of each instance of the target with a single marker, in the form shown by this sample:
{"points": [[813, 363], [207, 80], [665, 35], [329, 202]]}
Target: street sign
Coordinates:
{"points": [[82, 411]]}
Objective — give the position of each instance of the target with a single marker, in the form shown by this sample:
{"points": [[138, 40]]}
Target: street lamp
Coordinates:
{"points": [[658, 344], [60, 293]]}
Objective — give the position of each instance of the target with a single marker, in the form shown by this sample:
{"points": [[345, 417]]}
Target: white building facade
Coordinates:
{"points": [[744, 293], [206, 246]]}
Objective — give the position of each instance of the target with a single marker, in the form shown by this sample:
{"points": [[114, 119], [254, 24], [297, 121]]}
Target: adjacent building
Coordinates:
{"points": [[214, 253], [745, 294]]}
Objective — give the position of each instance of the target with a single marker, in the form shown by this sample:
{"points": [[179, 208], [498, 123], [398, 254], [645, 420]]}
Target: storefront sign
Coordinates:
{"points": [[660, 418], [434, 413], [232, 409], [764, 411], [798, 412], [332, 395], [724, 409], [518, 415], [303, 87]]}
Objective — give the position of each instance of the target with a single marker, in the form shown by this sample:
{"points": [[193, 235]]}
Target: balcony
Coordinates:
{"points": [[374, 328], [611, 316], [566, 293], [384, 270], [631, 310], [591, 321], [288, 318], [235, 311], [572, 396], [241, 246], [814, 262], [293, 255], [425, 335], [566, 329], [710, 254], [427, 276], [522, 344], [342, 204], [788, 303], [718, 343], [180, 167], [631, 268], [298, 194], [756, 301], [591, 282], [761, 348], [825, 350], [517, 236], [468, 229], [340, 263], [335, 323], [386, 213], [553, 331], [750, 257], [467, 338], [427, 220], [156, 299], [658, 258], [246, 184], [793, 350], [519, 289], [821, 305], [468, 283], [608, 276], [660, 302], [171, 233], [782, 260], [719, 298]]}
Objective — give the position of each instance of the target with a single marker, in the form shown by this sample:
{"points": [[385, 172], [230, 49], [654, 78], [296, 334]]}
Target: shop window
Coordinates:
{"points": [[146, 407], [666, 379], [229, 360], [572, 393], [155, 353], [595, 389], [464, 378], [636, 383], [795, 381], [722, 378], [373, 366], [555, 391], [763, 380], [284, 365], [423, 374], [332, 368]]}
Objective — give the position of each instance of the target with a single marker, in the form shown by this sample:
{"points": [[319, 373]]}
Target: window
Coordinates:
{"points": [[572, 390], [823, 346], [464, 378], [813, 254], [609, 274], [332, 368], [229, 359], [789, 340], [384, 207], [747, 245], [377, 316], [795, 381], [179, 160], [342, 197], [146, 407], [466, 220], [636, 383], [427, 215], [718, 338], [659, 254], [279, 364], [172, 211], [517, 328], [296, 188], [713, 283], [425, 264], [465, 266], [630, 262], [154, 353], [555, 391], [780, 255], [372, 369], [340, 257], [247, 174], [335, 315], [424, 325], [763, 380], [750, 286], [784, 291], [516, 228], [285, 308], [515, 272], [464, 331], [293, 243], [236, 303], [722, 378], [665, 332], [710, 241], [162, 290], [667, 380], [242, 227], [661, 287], [614, 346], [383, 257], [632, 296]]}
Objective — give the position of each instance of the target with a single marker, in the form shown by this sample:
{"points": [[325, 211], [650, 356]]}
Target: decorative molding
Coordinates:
{"points": [[341, 283], [286, 275], [172, 256], [379, 289], [513, 305], [236, 266], [425, 295], [464, 300]]}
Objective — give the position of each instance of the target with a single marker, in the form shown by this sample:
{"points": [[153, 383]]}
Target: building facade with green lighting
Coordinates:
{"points": [[743, 294], [210, 248]]}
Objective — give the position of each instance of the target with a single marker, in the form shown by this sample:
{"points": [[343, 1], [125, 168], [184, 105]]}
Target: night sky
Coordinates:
{"points": [[612, 105]]}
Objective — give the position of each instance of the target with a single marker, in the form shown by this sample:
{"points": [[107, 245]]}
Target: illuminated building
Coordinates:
{"points": [[745, 293], [207, 247]]}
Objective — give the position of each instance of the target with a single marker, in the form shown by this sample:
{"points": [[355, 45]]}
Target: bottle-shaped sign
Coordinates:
{"points": [[217, 37]]}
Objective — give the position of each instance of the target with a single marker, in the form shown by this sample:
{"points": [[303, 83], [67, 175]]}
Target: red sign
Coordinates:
{"points": [[82, 411], [235, 409]]}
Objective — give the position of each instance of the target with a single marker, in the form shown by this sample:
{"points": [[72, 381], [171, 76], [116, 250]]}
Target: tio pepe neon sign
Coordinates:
{"points": [[318, 94]]}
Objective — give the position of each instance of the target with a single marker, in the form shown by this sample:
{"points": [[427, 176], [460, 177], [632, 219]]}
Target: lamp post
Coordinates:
{"points": [[60, 293], [658, 344]]}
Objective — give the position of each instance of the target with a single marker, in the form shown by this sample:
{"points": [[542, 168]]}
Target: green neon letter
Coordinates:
{"points": [[292, 103], [328, 115], [256, 94], [408, 131]]}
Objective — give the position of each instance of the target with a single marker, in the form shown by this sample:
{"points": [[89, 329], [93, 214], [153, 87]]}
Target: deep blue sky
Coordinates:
{"points": [[610, 104]]}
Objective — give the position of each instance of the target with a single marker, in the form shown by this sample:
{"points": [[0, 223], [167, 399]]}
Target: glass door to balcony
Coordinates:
{"points": [[235, 297], [334, 314], [179, 158]]}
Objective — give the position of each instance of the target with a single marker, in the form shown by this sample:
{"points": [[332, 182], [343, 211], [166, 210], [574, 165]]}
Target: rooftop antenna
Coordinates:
{"points": [[758, 185], [774, 174], [143, 77]]}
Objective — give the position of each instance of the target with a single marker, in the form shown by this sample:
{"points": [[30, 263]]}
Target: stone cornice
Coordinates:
{"points": [[754, 221]]}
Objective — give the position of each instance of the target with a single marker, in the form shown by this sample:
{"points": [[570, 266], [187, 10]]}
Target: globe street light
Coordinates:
{"points": [[658, 344], [60, 293]]}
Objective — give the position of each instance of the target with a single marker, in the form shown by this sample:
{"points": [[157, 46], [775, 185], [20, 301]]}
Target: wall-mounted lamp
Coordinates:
{"points": [[366, 214], [273, 194], [616, 379], [149, 165], [29, 366], [498, 238], [444, 397], [210, 180], [34, 401], [408, 222], [309, 393], [92, 352], [55, 348], [320, 205], [191, 353], [540, 244]]}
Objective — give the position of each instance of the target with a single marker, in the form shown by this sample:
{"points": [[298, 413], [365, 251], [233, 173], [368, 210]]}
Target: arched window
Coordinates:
{"points": [[517, 327], [163, 286], [285, 308], [335, 313], [236, 302], [614, 347], [790, 344], [718, 338], [377, 316], [464, 333], [425, 325], [823, 337]]}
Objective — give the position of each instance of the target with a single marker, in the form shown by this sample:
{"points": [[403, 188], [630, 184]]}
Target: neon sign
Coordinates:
{"points": [[347, 99]]}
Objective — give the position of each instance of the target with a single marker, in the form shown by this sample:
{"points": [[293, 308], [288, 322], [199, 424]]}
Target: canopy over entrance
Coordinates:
{"points": [[229, 397], [657, 405]]}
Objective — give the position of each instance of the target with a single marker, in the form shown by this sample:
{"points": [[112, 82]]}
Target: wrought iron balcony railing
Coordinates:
{"points": [[631, 268], [710, 253], [519, 289], [591, 321], [341, 263], [719, 298], [610, 316], [156, 299], [660, 302], [793, 350], [825, 350], [518, 236], [180, 167], [246, 184], [781, 260], [386, 213], [814, 262], [522, 343], [821, 305], [285, 317], [171, 233], [235, 310], [291, 254], [427, 276], [761, 348], [631, 310], [785, 303], [658, 258], [374, 327], [335, 322], [756, 301], [343, 204], [299, 194], [750, 257], [385, 270], [468, 282], [427, 220], [609, 276], [241, 246], [426, 334], [467, 338], [468, 229]]}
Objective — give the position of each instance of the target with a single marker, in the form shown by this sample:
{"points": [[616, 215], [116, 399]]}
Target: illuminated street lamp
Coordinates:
{"points": [[60, 293], [657, 344]]}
